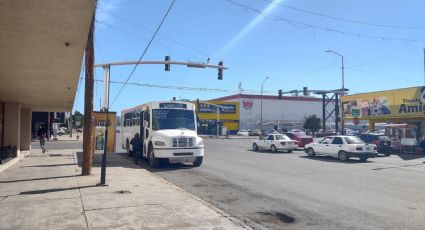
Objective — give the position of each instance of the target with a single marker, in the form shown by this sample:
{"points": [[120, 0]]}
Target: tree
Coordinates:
{"points": [[313, 123], [78, 119]]}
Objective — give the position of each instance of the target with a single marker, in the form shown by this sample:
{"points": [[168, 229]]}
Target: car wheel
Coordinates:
{"points": [[363, 158], [274, 149], [310, 152], [198, 162], [255, 147], [153, 162], [343, 155], [289, 151]]}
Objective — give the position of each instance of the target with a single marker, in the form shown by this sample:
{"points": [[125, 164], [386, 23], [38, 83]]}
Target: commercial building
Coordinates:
{"points": [[288, 112], [228, 117], [403, 111], [42, 47]]}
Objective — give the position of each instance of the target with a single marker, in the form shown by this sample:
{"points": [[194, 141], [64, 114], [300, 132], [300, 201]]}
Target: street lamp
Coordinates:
{"points": [[261, 104], [343, 88]]}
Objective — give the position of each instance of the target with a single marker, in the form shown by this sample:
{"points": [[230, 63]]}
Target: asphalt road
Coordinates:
{"points": [[290, 191]]}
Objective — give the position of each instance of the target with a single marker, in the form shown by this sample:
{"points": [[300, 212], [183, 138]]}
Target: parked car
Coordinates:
{"points": [[250, 132], [242, 132], [301, 138], [60, 132], [383, 142], [274, 142], [343, 147], [256, 132]]}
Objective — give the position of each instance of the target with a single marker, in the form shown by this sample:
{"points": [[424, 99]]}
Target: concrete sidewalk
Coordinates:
{"points": [[45, 191]]}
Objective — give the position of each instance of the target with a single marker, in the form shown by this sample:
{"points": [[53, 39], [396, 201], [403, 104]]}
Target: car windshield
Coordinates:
{"points": [[282, 137], [383, 138], [353, 140], [173, 119]]}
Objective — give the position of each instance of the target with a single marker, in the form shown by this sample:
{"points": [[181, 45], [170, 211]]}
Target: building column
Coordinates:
{"points": [[12, 120], [25, 135]]}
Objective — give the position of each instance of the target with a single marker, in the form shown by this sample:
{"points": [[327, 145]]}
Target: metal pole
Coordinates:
{"points": [[106, 79], [343, 93], [218, 121], [324, 112], [261, 105], [105, 147]]}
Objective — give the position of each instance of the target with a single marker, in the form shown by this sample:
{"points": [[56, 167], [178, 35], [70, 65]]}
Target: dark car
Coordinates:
{"points": [[383, 142], [327, 133], [300, 137]]}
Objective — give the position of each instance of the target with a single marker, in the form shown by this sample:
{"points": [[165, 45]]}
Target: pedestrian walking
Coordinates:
{"points": [[42, 136], [136, 142]]}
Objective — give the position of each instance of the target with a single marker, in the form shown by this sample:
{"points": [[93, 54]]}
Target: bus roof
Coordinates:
{"points": [[153, 102]]}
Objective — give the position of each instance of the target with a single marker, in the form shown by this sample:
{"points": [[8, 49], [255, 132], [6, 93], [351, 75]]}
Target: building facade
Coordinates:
{"points": [[228, 117], [286, 113]]}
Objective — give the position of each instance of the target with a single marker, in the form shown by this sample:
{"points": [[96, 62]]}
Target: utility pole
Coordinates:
{"points": [[261, 105], [88, 103]]}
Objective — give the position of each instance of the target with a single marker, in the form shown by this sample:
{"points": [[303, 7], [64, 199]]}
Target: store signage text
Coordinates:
{"points": [[247, 104], [412, 108]]}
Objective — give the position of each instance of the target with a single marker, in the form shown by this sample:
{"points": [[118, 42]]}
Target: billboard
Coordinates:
{"points": [[224, 108], [399, 103]]}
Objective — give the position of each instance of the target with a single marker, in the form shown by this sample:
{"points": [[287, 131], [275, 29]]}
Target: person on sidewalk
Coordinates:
{"points": [[42, 136], [136, 142]]}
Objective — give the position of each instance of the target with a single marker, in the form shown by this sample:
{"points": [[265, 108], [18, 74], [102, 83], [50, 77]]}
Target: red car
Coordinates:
{"points": [[300, 137]]}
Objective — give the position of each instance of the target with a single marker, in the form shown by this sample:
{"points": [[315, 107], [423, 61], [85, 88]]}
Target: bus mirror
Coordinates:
{"points": [[145, 124]]}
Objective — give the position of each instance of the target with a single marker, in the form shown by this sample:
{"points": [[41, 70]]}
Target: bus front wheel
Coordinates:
{"points": [[153, 162]]}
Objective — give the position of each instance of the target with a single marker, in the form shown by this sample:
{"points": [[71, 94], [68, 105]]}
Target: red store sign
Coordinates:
{"points": [[247, 104]]}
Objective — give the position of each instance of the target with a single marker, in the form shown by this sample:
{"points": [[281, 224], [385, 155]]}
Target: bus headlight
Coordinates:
{"points": [[159, 143], [201, 143]]}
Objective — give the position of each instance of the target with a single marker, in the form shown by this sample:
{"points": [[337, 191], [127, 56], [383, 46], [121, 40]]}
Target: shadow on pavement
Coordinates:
{"points": [[54, 165], [163, 167], [408, 157], [35, 179], [336, 160], [269, 151], [43, 191]]}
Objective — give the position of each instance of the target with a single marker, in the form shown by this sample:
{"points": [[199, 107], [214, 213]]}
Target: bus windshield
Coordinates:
{"points": [[173, 119]]}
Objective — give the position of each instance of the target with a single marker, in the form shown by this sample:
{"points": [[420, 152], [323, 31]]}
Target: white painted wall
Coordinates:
{"points": [[273, 110]]}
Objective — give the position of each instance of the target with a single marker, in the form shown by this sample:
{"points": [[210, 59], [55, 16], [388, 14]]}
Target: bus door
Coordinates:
{"points": [[146, 117], [142, 132]]}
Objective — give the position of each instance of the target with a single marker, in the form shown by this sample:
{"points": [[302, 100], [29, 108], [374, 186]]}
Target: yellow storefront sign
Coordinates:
{"points": [[399, 103]]}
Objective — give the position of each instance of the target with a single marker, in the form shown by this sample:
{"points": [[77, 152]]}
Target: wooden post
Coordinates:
{"points": [[88, 104]]}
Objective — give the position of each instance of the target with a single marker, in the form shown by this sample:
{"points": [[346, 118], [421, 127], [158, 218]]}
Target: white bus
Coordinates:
{"points": [[168, 131]]}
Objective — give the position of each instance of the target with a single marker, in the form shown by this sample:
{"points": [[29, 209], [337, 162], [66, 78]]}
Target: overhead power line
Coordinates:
{"points": [[144, 51], [343, 19], [382, 75], [184, 88], [303, 25]]}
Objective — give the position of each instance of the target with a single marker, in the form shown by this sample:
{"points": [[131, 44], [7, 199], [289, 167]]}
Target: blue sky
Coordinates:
{"points": [[255, 39]]}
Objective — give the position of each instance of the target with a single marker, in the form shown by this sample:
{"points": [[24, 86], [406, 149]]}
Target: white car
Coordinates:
{"points": [[274, 142], [243, 132], [343, 147]]}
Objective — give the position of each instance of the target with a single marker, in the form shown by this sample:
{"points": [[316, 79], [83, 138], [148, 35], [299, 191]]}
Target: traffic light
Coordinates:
{"points": [[305, 91], [167, 65], [280, 94], [220, 71]]}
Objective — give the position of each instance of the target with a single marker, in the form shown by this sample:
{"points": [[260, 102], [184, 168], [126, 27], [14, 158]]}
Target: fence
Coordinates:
{"points": [[7, 153]]}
